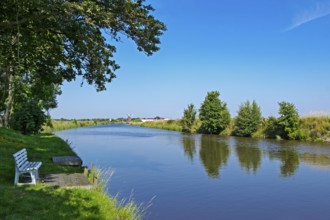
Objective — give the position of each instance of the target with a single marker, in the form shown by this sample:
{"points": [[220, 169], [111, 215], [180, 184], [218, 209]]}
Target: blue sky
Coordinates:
{"points": [[268, 51]]}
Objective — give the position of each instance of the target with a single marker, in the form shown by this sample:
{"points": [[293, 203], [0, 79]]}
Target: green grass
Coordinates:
{"points": [[44, 202], [59, 125], [172, 125]]}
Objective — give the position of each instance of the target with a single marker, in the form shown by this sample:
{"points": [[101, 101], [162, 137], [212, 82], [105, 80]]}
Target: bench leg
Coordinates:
{"points": [[16, 177], [33, 176], [37, 175]]}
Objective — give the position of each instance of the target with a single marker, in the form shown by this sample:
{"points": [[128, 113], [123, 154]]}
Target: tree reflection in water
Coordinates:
{"points": [[249, 154], [290, 160], [189, 146], [213, 154]]}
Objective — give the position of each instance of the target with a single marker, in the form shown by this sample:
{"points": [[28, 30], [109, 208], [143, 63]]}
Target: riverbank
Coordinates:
{"points": [[62, 124], [171, 125], [44, 202], [315, 129]]}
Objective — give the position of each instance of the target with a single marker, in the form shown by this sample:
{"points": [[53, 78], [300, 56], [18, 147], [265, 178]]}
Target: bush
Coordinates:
{"points": [[188, 120], [271, 127], [300, 134], [137, 120], [28, 118]]}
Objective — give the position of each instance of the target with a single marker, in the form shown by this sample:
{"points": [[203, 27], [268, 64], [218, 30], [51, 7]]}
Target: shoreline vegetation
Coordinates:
{"points": [[214, 118], [45, 202], [65, 124], [316, 128]]}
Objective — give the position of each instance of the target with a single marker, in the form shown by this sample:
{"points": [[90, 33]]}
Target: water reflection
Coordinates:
{"points": [[189, 146], [249, 154], [288, 156], [213, 154], [317, 160]]}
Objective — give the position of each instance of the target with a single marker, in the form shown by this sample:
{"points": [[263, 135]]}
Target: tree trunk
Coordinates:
{"points": [[10, 98]]}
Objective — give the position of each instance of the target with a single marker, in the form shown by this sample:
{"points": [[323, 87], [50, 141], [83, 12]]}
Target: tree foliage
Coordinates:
{"points": [[248, 119], [213, 114], [289, 121], [188, 120], [59, 40], [63, 39], [28, 118], [287, 126], [271, 127]]}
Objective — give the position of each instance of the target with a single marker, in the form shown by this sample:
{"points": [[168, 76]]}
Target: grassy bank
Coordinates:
{"points": [[316, 129], [59, 125], [172, 125], [43, 202]]}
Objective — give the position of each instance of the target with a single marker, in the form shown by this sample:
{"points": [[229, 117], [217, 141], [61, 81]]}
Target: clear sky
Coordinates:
{"points": [[267, 51]]}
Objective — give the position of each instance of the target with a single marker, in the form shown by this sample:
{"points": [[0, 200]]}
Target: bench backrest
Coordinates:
{"points": [[20, 158]]}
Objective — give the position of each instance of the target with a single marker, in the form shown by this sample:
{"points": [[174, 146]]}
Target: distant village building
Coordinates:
{"points": [[154, 119]]}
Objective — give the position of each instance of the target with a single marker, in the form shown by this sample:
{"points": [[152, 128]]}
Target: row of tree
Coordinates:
{"points": [[215, 119], [44, 43]]}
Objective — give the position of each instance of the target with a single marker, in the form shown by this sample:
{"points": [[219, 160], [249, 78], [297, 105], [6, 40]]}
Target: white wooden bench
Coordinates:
{"points": [[22, 165]]}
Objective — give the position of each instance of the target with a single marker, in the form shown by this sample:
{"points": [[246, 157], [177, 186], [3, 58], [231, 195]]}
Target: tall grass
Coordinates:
{"points": [[173, 125], [317, 128], [128, 205], [59, 125]]}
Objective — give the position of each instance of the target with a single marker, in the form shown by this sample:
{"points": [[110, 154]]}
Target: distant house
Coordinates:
{"points": [[153, 119]]}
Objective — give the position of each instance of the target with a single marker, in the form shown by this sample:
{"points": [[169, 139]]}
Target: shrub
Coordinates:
{"points": [[28, 118], [188, 120], [271, 127]]}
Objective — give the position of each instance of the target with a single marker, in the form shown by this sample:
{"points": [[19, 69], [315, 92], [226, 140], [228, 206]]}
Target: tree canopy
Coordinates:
{"points": [[214, 114], [57, 40], [289, 121], [248, 119], [188, 119]]}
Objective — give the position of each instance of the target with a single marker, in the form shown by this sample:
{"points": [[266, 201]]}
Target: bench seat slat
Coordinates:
{"points": [[33, 165], [29, 166]]}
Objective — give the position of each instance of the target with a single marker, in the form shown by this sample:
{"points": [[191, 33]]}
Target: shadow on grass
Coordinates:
{"points": [[47, 203]]}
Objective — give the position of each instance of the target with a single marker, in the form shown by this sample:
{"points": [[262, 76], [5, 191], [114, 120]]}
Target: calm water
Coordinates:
{"points": [[209, 177]]}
